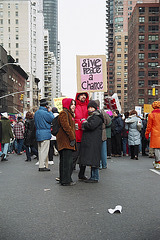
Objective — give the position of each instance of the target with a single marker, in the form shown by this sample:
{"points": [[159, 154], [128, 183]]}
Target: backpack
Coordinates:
{"points": [[55, 126]]}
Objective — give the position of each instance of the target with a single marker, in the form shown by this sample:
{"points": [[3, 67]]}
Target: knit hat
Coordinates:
{"points": [[156, 104], [5, 114], [43, 102], [92, 104], [54, 110], [82, 94]]}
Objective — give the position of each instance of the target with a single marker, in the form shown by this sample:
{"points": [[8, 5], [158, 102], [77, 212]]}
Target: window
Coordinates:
{"points": [[152, 55], [28, 94], [149, 91], [118, 55], [9, 29], [17, 53], [28, 84], [1, 21], [119, 86], [153, 19], [141, 37], [151, 82], [153, 74], [153, 37], [118, 73], [152, 46], [141, 9], [142, 28], [153, 28], [141, 64], [16, 13], [152, 64], [1, 14], [141, 46], [141, 91], [141, 55], [119, 49], [141, 74], [118, 67], [118, 91], [9, 45], [150, 100], [119, 61], [154, 9], [118, 43], [141, 19], [9, 14], [17, 60], [17, 29], [16, 21], [17, 37], [141, 83], [141, 100], [16, 6], [17, 45]]}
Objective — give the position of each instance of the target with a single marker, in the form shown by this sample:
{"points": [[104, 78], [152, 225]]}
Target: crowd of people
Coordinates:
{"points": [[87, 136]]}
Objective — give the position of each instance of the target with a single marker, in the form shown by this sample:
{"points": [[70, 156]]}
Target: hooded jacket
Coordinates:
{"points": [[153, 127], [133, 134], [81, 111], [66, 132]]}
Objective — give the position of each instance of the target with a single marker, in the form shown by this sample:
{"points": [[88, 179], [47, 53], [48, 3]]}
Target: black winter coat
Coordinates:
{"points": [[30, 133], [91, 143]]}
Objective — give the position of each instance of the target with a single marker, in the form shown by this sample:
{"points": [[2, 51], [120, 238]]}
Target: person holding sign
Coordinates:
{"points": [[82, 100]]}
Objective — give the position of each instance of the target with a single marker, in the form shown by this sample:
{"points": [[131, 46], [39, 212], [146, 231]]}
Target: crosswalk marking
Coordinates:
{"points": [[155, 171]]}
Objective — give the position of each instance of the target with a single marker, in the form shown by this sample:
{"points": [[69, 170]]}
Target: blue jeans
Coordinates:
{"points": [[19, 145], [4, 147], [94, 173], [28, 152], [103, 162], [124, 145]]}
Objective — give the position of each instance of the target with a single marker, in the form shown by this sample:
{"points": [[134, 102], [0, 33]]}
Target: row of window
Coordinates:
{"points": [[150, 74], [9, 5], [150, 46], [152, 19], [150, 55], [151, 9], [141, 91], [150, 37], [150, 83], [150, 64], [141, 101], [151, 28]]}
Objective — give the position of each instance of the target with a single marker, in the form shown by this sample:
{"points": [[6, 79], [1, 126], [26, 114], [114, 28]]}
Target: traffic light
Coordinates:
{"points": [[153, 91], [21, 97]]}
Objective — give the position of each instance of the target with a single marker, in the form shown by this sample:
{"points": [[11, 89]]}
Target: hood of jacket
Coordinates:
{"points": [[66, 102], [78, 102]]}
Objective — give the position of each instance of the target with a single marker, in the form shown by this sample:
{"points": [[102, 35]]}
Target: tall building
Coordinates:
{"points": [[21, 34], [117, 15], [143, 54], [50, 11]]}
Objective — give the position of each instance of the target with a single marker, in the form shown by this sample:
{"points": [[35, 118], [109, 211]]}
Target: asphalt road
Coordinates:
{"points": [[33, 206]]}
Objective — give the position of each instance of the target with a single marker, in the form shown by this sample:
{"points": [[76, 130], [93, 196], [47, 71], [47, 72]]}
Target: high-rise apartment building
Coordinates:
{"points": [[117, 15], [143, 54], [21, 34]]}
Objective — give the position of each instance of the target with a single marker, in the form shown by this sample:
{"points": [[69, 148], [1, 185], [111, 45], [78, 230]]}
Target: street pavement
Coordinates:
{"points": [[33, 206]]}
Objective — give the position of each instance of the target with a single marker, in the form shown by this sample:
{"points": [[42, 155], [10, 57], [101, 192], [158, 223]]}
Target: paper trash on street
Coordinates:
{"points": [[117, 209]]}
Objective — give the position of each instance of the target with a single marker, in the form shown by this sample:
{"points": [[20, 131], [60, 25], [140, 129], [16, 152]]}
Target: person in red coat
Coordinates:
{"points": [[153, 128], [81, 111]]}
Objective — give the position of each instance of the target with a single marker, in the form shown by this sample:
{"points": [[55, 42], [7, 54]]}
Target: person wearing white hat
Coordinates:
{"points": [[6, 135]]}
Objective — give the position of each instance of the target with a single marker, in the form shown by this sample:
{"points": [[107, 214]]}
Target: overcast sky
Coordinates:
{"points": [[81, 32]]}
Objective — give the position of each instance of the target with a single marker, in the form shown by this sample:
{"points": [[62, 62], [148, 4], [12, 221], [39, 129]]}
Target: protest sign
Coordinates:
{"points": [[58, 103], [112, 102], [91, 73]]}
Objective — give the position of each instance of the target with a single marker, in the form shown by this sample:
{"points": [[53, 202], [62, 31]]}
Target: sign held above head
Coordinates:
{"points": [[91, 73]]}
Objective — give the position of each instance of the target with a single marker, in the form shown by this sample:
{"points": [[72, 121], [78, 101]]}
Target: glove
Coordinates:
{"points": [[72, 143]]}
